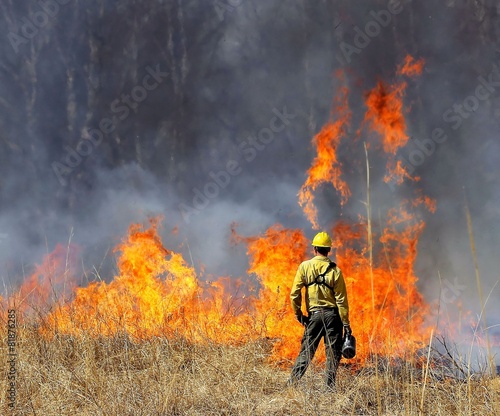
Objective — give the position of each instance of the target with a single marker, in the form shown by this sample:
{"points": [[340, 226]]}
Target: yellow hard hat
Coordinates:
{"points": [[322, 239]]}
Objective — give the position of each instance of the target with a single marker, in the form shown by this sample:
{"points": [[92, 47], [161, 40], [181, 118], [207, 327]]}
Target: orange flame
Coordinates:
{"points": [[273, 259], [395, 326], [50, 283], [326, 167], [155, 293], [410, 67], [385, 115]]}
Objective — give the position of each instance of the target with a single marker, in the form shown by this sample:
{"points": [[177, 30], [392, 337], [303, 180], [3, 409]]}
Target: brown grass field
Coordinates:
{"points": [[69, 375]]}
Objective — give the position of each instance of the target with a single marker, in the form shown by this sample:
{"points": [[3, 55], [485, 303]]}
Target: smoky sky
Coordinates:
{"points": [[227, 69]]}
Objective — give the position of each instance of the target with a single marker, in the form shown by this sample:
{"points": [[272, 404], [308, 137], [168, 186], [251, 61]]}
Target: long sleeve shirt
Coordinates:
{"points": [[319, 295]]}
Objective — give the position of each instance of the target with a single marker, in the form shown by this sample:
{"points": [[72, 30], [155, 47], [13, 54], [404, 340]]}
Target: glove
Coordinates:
{"points": [[347, 330], [303, 319]]}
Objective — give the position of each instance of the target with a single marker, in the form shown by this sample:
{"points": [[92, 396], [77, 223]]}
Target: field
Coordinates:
{"points": [[69, 375]]}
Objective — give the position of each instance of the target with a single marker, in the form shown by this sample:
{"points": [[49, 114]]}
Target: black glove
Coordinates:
{"points": [[303, 319], [347, 330]]}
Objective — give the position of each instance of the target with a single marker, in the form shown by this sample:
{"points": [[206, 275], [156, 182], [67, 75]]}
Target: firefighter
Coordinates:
{"points": [[327, 310]]}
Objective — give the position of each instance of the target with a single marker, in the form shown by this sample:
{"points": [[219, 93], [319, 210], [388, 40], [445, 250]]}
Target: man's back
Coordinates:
{"points": [[320, 295]]}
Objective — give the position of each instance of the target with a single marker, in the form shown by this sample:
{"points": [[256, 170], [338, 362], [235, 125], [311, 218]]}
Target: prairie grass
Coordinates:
{"points": [[68, 375]]}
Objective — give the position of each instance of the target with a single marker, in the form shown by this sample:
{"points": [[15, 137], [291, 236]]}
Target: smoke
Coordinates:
{"points": [[210, 121]]}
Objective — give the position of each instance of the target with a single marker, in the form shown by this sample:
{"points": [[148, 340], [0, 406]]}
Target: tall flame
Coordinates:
{"points": [[385, 115], [326, 167]]}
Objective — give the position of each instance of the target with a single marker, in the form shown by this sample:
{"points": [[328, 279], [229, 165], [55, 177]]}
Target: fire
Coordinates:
{"points": [[399, 174], [50, 283], [385, 116], [326, 167], [274, 258], [394, 327], [156, 292], [410, 67]]}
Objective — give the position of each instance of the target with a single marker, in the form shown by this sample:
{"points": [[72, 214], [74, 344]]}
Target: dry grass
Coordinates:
{"points": [[85, 376]]}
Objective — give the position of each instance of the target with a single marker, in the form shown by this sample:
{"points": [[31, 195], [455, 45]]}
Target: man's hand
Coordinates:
{"points": [[347, 330], [303, 319]]}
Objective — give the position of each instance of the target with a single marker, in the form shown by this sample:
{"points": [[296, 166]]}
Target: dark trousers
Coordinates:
{"points": [[324, 324]]}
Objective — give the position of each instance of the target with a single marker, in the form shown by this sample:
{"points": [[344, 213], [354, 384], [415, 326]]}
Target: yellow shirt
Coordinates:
{"points": [[317, 295]]}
